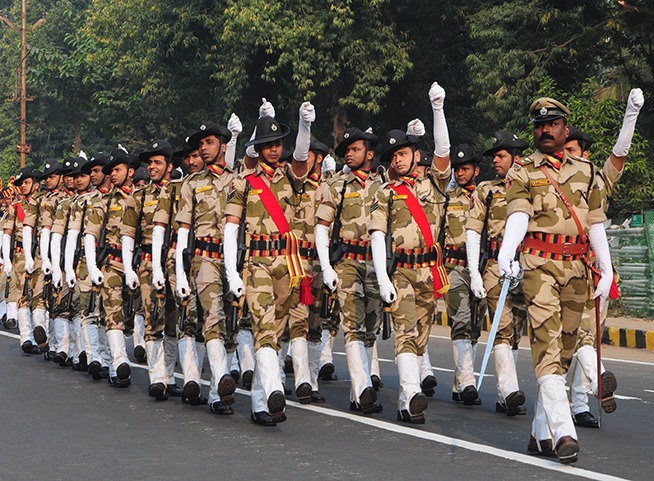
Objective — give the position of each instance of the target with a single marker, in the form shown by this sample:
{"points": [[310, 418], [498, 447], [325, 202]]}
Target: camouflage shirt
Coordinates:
{"points": [[169, 203], [63, 215], [456, 217], [529, 191], [115, 200], [35, 210], [496, 211], [304, 216], [208, 187], [149, 196]]}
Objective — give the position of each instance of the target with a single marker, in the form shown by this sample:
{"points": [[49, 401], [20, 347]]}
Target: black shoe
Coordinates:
{"points": [[406, 417], [609, 386], [326, 373], [376, 381], [83, 361], [77, 366], [585, 420], [356, 407], [95, 370], [303, 393], [49, 356], [235, 374], [469, 395], [276, 405], [226, 388], [221, 408], [41, 338], [174, 391], [456, 397], [567, 450], [124, 371], [418, 404], [317, 398], [10, 323], [60, 358], [263, 419], [247, 379], [158, 391], [501, 408], [367, 400], [544, 450], [140, 354], [104, 372], [29, 348], [428, 385], [288, 365], [514, 401], [191, 390], [116, 382]]}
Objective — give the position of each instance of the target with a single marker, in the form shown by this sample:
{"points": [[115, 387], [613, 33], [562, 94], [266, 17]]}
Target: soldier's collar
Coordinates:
{"points": [[125, 191], [104, 190]]}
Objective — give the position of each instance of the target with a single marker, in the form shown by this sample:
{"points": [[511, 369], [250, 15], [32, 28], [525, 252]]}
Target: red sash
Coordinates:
{"points": [[441, 281], [293, 259], [20, 213]]}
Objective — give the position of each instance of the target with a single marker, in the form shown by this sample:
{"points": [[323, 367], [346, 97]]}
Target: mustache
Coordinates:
{"points": [[545, 137]]}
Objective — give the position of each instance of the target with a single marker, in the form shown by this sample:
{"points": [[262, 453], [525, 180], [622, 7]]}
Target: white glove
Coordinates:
{"points": [[328, 163], [634, 104], [44, 250], [27, 246], [131, 278], [69, 255], [6, 254], [514, 232], [183, 289], [266, 109], [234, 125], [303, 139], [600, 246], [378, 246], [477, 284], [473, 245], [230, 247], [89, 251], [127, 250], [55, 250], [441, 134], [329, 276], [158, 279], [415, 128]]}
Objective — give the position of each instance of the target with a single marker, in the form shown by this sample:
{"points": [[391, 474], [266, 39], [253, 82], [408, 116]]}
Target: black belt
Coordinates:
{"points": [[308, 252], [216, 247], [404, 258], [455, 254], [146, 249], [268, 245]]}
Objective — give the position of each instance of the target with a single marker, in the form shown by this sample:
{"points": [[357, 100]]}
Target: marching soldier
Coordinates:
{"points": [[138, 222], [555, 206], [27, 182], [200, 221], [102, 241], [465, 327], [488, 211], [262, 199]]}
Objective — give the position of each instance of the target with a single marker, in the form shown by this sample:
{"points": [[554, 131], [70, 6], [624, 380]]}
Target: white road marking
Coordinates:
{"points": [[428, 436]]}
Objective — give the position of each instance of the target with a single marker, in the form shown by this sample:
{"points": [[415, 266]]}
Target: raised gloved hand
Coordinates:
{"points": [[234, 125], [634, 104], [330, 278], [436, 96], [303, 139], [266, 109], [307, 114], [415, 128], [328, 163]]}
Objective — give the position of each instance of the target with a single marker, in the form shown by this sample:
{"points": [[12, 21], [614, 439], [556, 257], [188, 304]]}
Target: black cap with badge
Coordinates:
{"points": [[206, 129], [585, 140], [52, 167], [159, 147], [27, 173], [351, 135], [98, 158], [76, 166], [395, 140], [268, 130], [464, 154], [503, 140], [117, 157]]}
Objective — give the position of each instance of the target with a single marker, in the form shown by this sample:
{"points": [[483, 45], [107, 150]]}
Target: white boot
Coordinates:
{"points": [[357, 365], [62, 335], [555, 406], [53, 344], [281, 359], [327, 343], [116, 341], [12, 310], [463, 360], [539, 427], [410, 398], [201, 349], [300, 355], [233, 362], [3, 309], [24, 326], [41, 328], [170, 356], [222, 384], [188, 359], [425, 365], [91, 338], [581, 383], [267, 380], [103, 347], [507, 377], [156, 361], [77, 338], [138, 336], [314, 349], [245, 350]]}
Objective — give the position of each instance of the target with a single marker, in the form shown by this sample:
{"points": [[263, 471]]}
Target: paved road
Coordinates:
{"points": [[57, 424]]}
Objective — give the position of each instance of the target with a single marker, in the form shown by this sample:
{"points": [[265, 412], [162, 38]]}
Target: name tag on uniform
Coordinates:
{"points": [[540, 182], [499, 195], [115, 208], [203, 189], [400, 197], [152, 202], [456, 207], [255, 191], [352, 195]]}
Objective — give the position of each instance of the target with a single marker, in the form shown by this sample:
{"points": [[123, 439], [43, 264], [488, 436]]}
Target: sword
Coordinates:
{"points": [[598, 339], [506, 284]]}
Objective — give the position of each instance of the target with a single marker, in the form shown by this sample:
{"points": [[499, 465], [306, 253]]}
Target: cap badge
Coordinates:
{"points": [[347, 134], [75, 164], [47, 166], [460, 154], [543, 111], [494, 140], [203, 127], [392, 141], [186, 139], [155, 145], [273, 127]]}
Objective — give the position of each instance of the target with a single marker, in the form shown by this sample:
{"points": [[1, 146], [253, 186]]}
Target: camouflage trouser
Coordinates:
{"points": [[315, 323], [62, 307], [112, 295], [3, 284], [154, 326], [492, 287], [34, 297], [192, 320], [269, 297], [298, 314], [413, 311], [360, 304], [587, 327], [556, 292], [520, 316], [17, 280], [209, 278], [458, 303]]}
